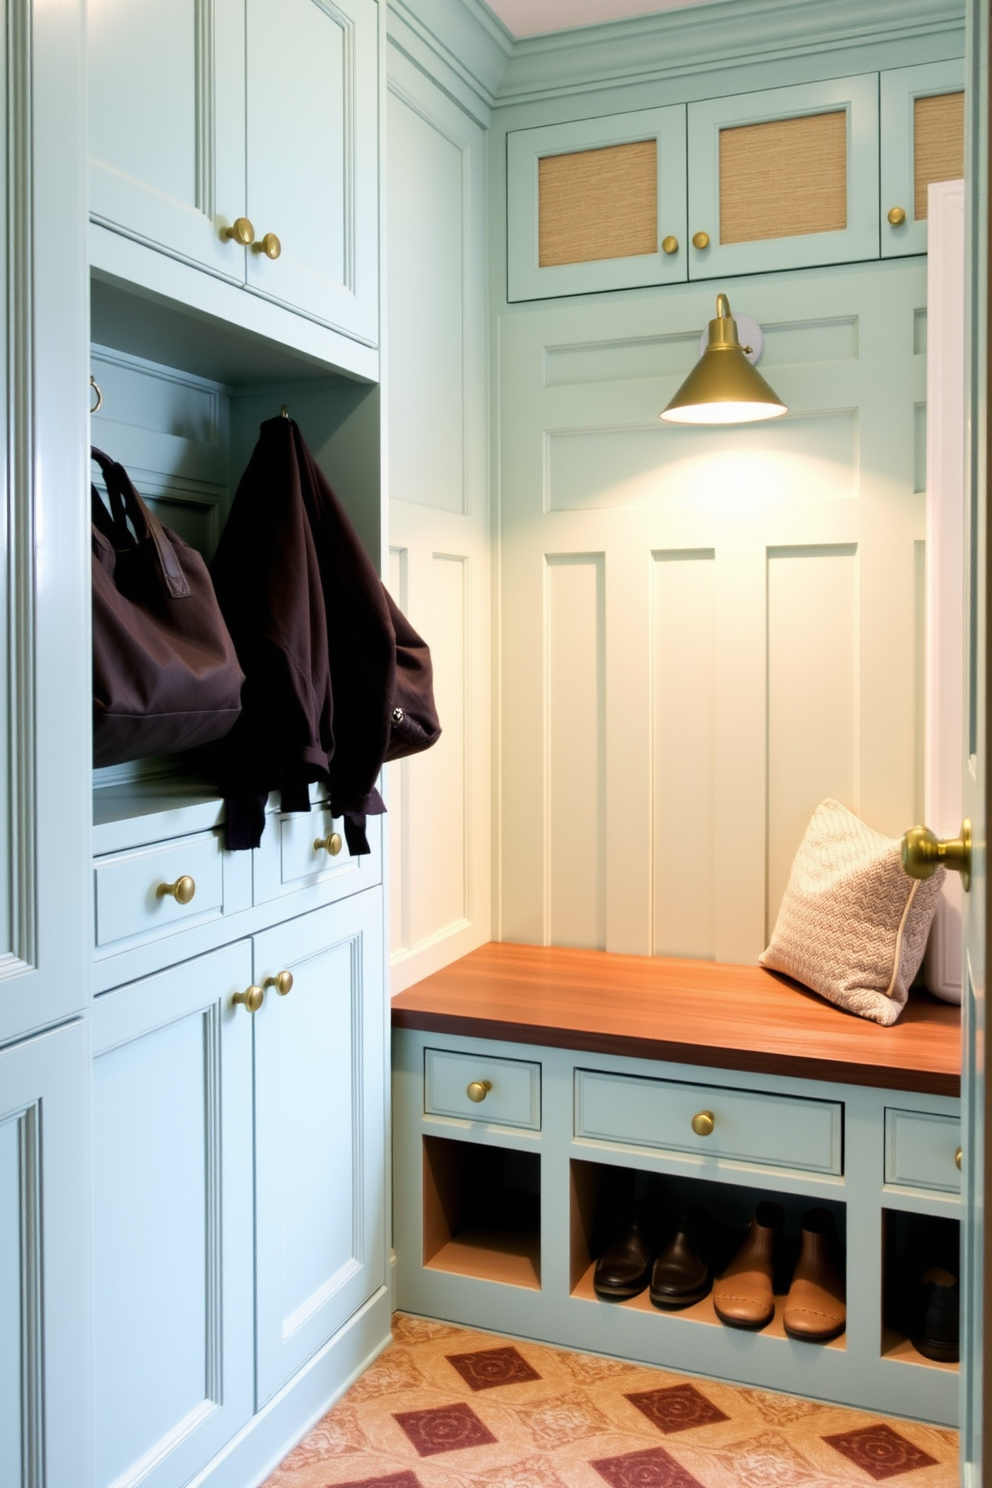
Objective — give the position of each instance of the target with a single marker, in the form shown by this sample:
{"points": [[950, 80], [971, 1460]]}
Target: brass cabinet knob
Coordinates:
{"points": [[478, 1090], [269, 245], [182, 890], [957, 1159], [331, 843], [241, 231], [701, 240], [703, 1123], [897, 216], [282, 981], [252, 999], [923, 853], [669, 244]]}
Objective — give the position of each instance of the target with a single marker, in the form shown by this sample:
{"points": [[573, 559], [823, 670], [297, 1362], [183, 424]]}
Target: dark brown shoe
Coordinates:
{"points": [[743, 1297], [815, 1309], [681, 1275], [624, 1268]]}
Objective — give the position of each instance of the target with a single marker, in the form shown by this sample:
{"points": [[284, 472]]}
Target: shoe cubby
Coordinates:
{"points": [[482, 1211], [602, 1195], [921, 1253]]}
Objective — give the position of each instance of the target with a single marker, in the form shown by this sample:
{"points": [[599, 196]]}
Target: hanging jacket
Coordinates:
{"points": [[370, 693]]}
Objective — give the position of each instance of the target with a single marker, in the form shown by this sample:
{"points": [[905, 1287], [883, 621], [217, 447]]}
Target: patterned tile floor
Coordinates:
{"points": [[445, 1407]]}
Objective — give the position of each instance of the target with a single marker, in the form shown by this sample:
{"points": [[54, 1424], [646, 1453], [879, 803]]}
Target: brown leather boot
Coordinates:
{"points": [[815, 1309], [743, 1296]]}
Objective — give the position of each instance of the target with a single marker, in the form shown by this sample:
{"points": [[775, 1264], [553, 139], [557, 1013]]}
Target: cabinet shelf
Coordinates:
{"points": [[899, 1349]]}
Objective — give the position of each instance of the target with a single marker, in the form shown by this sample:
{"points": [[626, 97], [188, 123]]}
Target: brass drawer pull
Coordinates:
{"points": [[331, 843], [669, 245], [703, 1123], [478, 1090], [182, 890], [269, 245], [701, 240], [241, 231], [252, 999], [897, 216], [282, 981], [957, 1159]]}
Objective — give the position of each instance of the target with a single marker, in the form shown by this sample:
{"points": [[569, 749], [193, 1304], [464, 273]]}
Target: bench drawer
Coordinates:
{"points": [[921, 1149], [748, 1126], [307, 850], [512, 1099], [130, 888]]}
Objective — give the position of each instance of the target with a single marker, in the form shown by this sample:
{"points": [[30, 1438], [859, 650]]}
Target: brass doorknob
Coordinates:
{"points": [[252, 999], [923, 853], [269, 245], [241, 231], [703, 1124], [957, 1159], [897, 216], [701, 240], [182, 890], [669, 245], [331, 843], [478, 1090], [282, 981]]}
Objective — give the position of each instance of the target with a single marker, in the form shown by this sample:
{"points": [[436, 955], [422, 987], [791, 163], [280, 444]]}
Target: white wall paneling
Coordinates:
{"points": [[760, 642], [440, 802]]}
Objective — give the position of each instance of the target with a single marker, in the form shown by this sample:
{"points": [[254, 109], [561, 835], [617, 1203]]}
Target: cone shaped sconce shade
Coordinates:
{"points": [[723, 387]]}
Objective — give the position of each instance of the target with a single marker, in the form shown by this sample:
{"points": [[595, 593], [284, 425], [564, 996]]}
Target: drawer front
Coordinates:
{"points": [[308, 850], [513, 1097], [778, 1130], [920, 1150], [129, 888]]}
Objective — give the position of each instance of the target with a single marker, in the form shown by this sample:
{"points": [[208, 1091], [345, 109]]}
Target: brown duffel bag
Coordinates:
{"points": [[165, 672]]}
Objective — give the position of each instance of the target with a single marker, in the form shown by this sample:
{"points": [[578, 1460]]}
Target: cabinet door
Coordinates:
{"points": [[166, 101], [922, 141], [45, 1261], [312, 113], [172, 1220], [784, 179], [319, 1132], [597, 204]]}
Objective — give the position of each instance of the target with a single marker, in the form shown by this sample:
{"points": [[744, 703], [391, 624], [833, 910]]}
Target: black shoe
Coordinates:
{"points": [[623, 1269], [937, 1312], [682, 1273]]}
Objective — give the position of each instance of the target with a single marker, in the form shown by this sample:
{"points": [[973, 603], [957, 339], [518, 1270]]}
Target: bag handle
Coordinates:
{"points": [[125, 502]]}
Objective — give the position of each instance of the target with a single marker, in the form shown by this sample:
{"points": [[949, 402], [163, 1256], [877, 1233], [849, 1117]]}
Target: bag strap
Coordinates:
{"points": [[126, 503]]}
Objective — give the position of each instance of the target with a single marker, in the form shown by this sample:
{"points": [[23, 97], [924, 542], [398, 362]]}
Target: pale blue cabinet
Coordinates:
{"points": [[173, 1224], [319, 1133], [922, 140], [251, 113], [784, 178], [45, 1261]]}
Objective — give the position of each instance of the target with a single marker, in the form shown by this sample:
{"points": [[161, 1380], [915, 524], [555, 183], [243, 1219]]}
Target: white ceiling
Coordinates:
{"points": [[530, 17]]}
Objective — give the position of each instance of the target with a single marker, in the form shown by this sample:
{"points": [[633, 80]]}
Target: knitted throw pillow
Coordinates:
{"points": [[852, 926]]}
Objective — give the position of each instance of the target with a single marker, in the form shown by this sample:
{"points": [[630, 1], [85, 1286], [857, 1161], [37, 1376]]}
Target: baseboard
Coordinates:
{"points": [[259, 1447]]}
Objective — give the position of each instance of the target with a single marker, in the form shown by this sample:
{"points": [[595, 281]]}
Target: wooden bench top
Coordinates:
{"points": [[687, 1012]]}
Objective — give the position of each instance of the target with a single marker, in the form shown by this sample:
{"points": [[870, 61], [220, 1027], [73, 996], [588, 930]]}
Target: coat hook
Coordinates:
{"points": [[95, 408], [284, 410]]}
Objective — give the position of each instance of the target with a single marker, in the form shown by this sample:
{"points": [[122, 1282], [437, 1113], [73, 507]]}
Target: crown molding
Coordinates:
{"points": [[464, 35], [705, 38]]}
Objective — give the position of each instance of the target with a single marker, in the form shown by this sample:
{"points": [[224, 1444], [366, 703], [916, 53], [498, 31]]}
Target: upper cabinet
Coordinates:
{"points": [[249, 150], [922, 142], [786, 178]]}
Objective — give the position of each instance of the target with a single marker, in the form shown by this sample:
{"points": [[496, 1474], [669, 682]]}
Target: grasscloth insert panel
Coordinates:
{"points": [[783, 178], [938, 138], [596, 204]]}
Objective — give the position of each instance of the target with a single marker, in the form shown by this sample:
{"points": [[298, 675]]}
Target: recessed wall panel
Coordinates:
{"points": [[436, 865], [575, 750], [683, 754], [426, 308], [799, 459], [812, 746], [10, 1302]]}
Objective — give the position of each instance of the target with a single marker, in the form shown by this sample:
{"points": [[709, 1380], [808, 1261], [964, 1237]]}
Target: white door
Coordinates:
{"points": [[312, 123], [166, 135], [319, 1131]]}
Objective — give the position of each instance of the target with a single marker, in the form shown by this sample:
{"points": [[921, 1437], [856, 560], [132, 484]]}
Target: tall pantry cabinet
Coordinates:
{"points": [[193, 1216]]}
